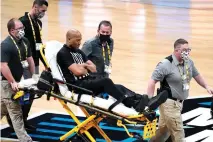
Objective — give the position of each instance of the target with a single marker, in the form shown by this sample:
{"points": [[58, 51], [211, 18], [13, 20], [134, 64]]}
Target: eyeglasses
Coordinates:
{"points": [[187, 50], [21, 28]]}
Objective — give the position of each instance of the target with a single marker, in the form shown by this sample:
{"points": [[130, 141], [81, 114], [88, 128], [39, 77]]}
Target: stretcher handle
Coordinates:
{"points": [[119, 123], [74, 86], [132, 135], [22, 92]]}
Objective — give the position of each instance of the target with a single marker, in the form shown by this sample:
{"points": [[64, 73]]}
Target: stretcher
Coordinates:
{"points": [[98, 107]]}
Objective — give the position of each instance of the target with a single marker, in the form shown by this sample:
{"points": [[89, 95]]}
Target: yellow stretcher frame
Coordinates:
{"points": [[94, 119], [82, 127]]}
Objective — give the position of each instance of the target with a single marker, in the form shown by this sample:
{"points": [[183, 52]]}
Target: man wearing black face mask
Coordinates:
{"points": [[33, 30], [99, 49], [15, 57]]}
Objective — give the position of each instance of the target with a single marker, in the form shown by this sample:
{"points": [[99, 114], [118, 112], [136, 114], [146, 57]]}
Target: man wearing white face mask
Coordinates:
{"points": [[174, 73], [15, 57], [33, 32]]}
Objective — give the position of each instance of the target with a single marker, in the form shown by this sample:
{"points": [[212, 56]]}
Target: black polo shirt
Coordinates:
{"points": [[29, 35], [68, 56], [9, 54]]}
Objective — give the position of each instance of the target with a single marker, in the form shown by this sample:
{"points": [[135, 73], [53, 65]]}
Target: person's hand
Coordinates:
{"points": [[209, 90], [46, 68], [14, 86], [88, 67], [91, 68]]}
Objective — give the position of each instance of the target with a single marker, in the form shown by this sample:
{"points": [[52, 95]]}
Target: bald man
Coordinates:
{"points": [[15, 57], [76, 69]]}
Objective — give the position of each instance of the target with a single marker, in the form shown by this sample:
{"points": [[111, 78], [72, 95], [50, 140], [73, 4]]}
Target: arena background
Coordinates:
{"points": [[144, 32]]}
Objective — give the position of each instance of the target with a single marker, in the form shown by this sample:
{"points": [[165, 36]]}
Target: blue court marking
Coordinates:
{"points": [[71, 120], [205, 103], [51, 131], [72, 126], [41, 136]]}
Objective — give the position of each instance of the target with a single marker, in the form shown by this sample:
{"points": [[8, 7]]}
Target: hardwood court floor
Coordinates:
{"points": [[144, 33]]}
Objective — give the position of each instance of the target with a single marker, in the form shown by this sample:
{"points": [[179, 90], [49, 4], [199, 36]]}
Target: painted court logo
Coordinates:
{"points": [[197, 119], [198, 125]]}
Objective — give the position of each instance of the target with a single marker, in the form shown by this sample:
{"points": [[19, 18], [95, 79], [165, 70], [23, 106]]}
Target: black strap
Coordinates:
{"points": [[78, 99], [164, 84], [116, 103], [169, 58], [175, 99]]}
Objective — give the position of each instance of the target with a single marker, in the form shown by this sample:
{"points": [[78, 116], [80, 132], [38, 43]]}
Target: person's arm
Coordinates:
{"points": [[91, 66], [151, 87], [112, 47], [40, 57], [78, 69], [42, 60], [111, 51], [200, 80], [64, 59], [161, 70], [5, 70], [31, 65], [29, 58], [87, 48]]}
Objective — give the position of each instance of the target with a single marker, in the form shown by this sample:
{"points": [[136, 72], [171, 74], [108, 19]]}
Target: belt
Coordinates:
{"points": [[175, 99]]}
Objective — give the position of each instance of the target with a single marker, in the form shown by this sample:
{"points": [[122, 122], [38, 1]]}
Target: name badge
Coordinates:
{"points": [[27, 97], [38, 46], [25, 64], [107, 69], [185, 86]]}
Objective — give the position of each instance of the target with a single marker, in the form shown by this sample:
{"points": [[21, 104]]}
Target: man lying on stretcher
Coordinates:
{"points": [[76, 68]]}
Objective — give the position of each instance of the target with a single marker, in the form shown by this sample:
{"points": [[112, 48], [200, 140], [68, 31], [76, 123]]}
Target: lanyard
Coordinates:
{"points": [[103, 48], [187, 72], [19, 52], [34, 29]]}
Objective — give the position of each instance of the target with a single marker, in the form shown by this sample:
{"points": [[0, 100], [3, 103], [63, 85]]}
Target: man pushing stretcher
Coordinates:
{"points": [[76, 69]]}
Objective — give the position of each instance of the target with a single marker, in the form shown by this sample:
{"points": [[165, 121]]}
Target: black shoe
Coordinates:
{"points": [[150, 115], [140, 102], [143, 101], [157, 100], [29, 127]]}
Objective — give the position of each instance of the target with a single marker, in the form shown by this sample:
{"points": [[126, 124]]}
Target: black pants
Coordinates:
{"points": [[106, 85], [26, 107]]}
